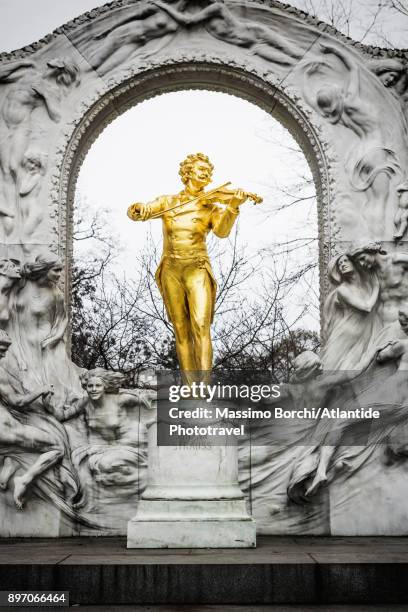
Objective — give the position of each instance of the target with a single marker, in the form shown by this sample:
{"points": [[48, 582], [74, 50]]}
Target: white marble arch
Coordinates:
{"points": [[329, 91]]}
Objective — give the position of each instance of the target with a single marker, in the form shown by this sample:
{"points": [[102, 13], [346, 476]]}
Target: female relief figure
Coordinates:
{"points": [[351, 316], [119, 41], [345, 104], [32, 170], [30, 90], [372, 165], [393, 74], [39, 325], [10, 273], [391, 269], [401, 215], [220, 22], [104, 408], [16, 437]]}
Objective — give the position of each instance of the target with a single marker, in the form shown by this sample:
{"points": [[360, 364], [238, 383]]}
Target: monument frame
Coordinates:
{"points": [[327, 90]]}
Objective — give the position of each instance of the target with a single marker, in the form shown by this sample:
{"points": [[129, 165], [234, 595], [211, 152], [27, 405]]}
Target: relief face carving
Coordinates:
{"points": [[393, 74], [105, 450]]}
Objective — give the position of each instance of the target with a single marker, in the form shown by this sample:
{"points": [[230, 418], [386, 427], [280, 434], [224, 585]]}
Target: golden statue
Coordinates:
{"points": [[184, 276]]}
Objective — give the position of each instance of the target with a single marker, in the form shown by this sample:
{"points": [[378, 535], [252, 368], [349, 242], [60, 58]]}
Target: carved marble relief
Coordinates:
{"points": [[73, 443], [32, 97], [67, 436]]}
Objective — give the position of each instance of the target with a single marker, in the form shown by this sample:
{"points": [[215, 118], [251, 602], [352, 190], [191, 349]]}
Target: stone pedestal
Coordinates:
{"points": [[192, 499]]}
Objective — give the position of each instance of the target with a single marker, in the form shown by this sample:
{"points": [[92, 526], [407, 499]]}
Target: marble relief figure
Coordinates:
{"points": [[111, 452], [30, 89], [38, 327], [393, 74], [119, 40], [10, 273], [351, 314], [16, 436], [311, 386], [104, 408], [391, 269], [345, 446], [38, 446], [371, 164], [220, 22], [154, 20], [32, 170], [343, 102], [401, 215]]}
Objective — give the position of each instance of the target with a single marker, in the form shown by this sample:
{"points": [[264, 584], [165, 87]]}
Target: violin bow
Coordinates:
{"points": [[200, 197]]}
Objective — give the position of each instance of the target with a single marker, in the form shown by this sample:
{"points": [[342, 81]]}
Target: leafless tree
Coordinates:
{"points": [[120, 323], [368, 21], [401, 6]]}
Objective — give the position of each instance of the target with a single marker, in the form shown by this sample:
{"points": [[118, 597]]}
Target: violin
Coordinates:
{"points": [[219, 194], [224, 196]]}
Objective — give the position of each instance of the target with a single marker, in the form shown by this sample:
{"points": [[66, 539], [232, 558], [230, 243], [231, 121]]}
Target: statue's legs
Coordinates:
{"points": [[42, 464], [30, 438], [187, 293], [175, 299], [9, 468], [199, 297]]}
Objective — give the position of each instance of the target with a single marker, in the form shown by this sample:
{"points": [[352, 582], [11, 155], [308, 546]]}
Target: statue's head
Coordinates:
{"points": [[340, 266], [389, 78], [34, 161], [97, 382], [64, 71], [46, 266], [366, 255], [5, 342], [403, 319], [388, 70], [330, 100], [307, 366], [196, 168]]}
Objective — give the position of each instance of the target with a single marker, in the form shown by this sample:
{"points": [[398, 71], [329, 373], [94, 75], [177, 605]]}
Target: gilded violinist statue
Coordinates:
{"points": [[184, 275]]}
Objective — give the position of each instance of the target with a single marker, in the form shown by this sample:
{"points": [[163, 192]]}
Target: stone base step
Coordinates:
{"points": [[280, 570]]}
